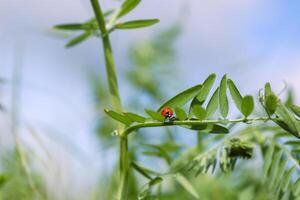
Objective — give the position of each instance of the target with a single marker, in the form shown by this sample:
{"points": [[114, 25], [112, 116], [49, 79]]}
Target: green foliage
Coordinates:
{"points": [[180, 113], [207, 85], [155, 115], [278, 176], [236, 96], [212, 105], [226, 154], [119, 117], [223, 101], [135, 117], [144, 194], [247, 105], [127, 6], [182, 98], [136, 24]]}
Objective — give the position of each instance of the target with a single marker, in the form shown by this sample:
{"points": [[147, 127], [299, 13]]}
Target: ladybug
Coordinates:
{"points": [[167, 112]]}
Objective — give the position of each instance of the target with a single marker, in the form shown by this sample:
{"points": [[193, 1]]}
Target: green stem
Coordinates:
{"points": [[132, 128], [109, 60], [116, 101]]}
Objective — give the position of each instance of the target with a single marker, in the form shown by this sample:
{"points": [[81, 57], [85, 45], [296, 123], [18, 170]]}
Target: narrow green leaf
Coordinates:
{"points": [[199, 112], [296, 110], [119, 117], [216, 128], [82, 37], [271, 103], [286, 196], [247, 105], [235, 94], [268, 90], [180, 113], [140, 170], [182, 98], [280, 172], [147, 188], [293, 143], [267, 161], [128, 6], [135, 117], [155, 115], [207, 128], [274, 169], [206, 87], [296, 150], [290, 98], [185, 183], [136, 24], [286, 179], [296, 188], [212, 105], [289, 119], [195, 102], [223, 101], [74, 26]]}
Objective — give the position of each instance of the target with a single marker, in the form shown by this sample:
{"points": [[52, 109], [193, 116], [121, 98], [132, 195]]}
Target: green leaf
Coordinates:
{"points": [[271, 103], [296, 110], [4, 178], [286, 179], [155, 115], [296, 188], [140, 170], [74, 26], [223, 101], [128, 6], [180, 114], [82, 37], [134, 117], [119, 117], [195, 102], [212, 105], [235, 94], [293, 143], [147, 188], [268, 90], [182, 98], [247, 105], [185, 183], [267, 161], [275, 167], [199, 112], [280, 172], [207, 128], [136, 24], [288, 119], [206, 87]]}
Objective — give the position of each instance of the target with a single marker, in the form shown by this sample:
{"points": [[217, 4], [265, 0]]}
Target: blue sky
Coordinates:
{"points": [[254, 41]]}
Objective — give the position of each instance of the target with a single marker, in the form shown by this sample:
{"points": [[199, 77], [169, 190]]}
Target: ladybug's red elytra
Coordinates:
{"points": [[167, 112]]}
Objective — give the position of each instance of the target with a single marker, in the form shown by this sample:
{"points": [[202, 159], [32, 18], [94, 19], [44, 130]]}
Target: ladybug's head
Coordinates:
{"points": [[167, 112]]}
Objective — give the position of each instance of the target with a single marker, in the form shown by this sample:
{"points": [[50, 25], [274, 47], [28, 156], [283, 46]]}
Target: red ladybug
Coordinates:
{"points": [[167, 112]]}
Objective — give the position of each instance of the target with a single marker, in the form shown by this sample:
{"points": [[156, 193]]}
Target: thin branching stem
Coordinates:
{"points": [[116, 100], [135, 127]]}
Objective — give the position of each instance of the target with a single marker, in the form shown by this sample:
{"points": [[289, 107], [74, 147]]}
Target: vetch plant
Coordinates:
{"points": [[207, 114]]}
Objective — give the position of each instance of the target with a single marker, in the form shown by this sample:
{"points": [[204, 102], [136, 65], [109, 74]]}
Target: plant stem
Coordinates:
{"points": [[116, 101], [109, 60], [132, 128]]}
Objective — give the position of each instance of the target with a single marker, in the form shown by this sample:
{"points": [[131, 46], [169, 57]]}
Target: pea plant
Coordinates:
{"points": [[274, 128]]}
